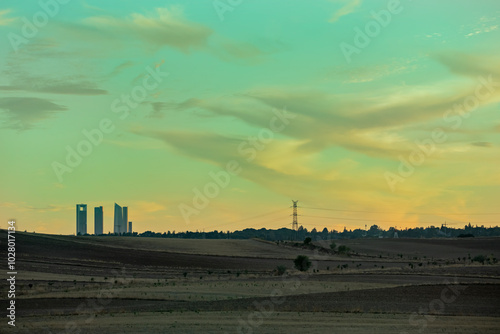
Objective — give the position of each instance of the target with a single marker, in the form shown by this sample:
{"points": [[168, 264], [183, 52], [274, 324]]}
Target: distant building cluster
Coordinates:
{"points": [[120, 220]]}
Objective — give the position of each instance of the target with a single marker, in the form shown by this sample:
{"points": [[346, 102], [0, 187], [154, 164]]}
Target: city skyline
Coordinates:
{"points": [[205, 118], [121, 224]]}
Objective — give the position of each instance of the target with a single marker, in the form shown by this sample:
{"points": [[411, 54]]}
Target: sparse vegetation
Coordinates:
{"points": [[151, 287], [343, 249], [302, 263], [280, 270], [479, 258]]}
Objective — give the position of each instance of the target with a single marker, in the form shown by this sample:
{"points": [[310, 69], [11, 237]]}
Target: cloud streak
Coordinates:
{"points": [[349, 8], [164, 27], [5, 21], [23, 113]]}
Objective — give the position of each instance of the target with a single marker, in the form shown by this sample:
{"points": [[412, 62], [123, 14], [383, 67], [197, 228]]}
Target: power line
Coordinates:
{"points": [[412, 213], [386, 221], [343, 218]]}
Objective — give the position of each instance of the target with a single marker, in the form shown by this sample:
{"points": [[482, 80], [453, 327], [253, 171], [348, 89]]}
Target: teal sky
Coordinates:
{"points": [[223, 74]]}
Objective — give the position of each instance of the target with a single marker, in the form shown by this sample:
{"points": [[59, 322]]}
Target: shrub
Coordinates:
{"points": [[302, 263], [343, 249], [280, 270], [307, 241], [333, 246], [479, 258]]}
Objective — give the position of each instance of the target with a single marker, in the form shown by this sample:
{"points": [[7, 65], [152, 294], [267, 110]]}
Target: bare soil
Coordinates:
{"points": [[139, 285]]}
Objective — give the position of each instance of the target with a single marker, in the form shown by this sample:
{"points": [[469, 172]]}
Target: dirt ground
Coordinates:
{"points": [[244, 322], [71, 284]]}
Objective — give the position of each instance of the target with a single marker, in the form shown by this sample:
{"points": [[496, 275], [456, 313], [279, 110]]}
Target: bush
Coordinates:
{"points": [[479, 258], [343, 249], [307, 241], [280, 270], [302, 263], [333, 246]]}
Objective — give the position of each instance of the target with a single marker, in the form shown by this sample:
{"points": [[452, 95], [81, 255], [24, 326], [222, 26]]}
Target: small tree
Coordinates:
{"points": [[479, 258], [343, 249], [333, 246], [307, 241], [302, 263], [280, 270]]}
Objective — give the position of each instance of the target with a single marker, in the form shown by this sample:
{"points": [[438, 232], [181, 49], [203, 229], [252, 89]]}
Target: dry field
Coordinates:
{"points": [[145, 285]]}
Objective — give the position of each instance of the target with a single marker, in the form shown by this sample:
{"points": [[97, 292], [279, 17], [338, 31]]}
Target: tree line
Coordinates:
{"points": [[288, 234]]}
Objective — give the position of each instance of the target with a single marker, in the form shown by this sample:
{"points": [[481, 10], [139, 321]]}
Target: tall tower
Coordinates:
{"points": [[129, 227], [295, 224], [98, 220], [118, 219], [124, 220], [81, 219]]}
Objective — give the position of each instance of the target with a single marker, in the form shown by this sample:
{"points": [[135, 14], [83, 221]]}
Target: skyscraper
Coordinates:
{"points": [[129, 227], [118, 220], [81, 219], [121, 218], [124, 219], [98, 220]]}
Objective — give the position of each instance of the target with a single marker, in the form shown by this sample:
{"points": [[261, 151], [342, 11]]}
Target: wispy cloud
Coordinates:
{"points": [[348, 8], [24, 113], [363, 74], [4, 21], [56, 87], [471, 65], [120, 68], [482, 144], [41, 67], [166, 27], [150, 32], [484, 25], [373, 123]]}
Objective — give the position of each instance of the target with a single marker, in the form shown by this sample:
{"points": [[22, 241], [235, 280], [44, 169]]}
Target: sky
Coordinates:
{"points": [[214, 115]]}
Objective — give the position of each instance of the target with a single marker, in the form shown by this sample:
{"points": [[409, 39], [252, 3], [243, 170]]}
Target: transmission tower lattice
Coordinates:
{"points": [[295, 224]]}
